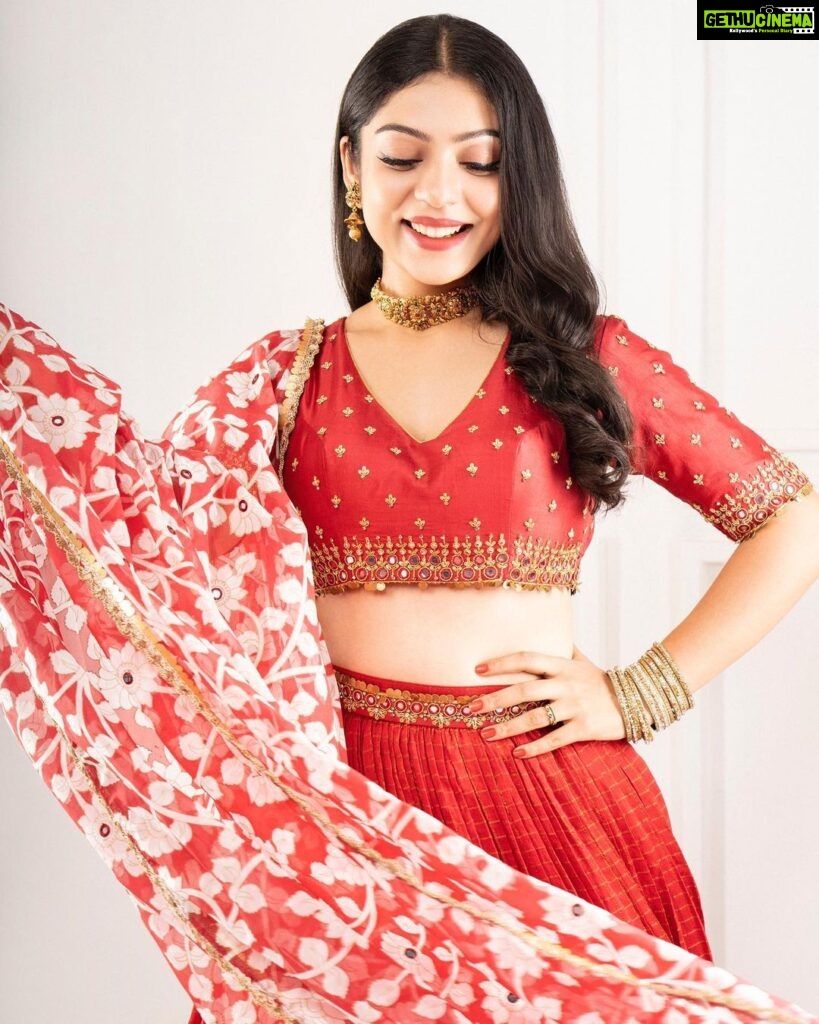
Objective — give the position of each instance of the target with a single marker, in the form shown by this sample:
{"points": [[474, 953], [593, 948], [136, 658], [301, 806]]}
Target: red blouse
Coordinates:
{"points": [[491, 500]]}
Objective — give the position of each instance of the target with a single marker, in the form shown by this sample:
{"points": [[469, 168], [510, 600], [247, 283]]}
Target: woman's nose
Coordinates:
{"points": [[438, 184]]}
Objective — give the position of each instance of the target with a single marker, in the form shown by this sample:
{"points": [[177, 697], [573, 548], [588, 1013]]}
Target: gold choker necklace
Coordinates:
{"points": [[419, 312]]}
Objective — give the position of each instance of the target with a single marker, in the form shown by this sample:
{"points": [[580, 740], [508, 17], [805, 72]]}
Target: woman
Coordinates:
{"points": [[447, 512], [444, 135]]}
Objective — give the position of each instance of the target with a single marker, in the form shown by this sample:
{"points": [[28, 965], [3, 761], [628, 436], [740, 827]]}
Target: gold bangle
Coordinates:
{"points": [[651, 694]]}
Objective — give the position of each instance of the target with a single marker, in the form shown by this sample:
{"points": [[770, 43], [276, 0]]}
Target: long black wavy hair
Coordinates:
{"points": [[536, 278]]}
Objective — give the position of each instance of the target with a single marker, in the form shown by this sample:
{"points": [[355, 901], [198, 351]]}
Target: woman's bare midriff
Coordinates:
{"points": [[438, 635]]}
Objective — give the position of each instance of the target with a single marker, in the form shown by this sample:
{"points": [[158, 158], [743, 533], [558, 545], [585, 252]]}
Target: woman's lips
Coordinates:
{"points": [[434, 234]]}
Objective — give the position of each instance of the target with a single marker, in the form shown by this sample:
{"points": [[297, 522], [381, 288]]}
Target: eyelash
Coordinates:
{"points": [[405, 165]]}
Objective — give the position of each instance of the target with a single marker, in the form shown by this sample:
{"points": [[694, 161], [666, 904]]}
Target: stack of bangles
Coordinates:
{"points": [[651, 693]]}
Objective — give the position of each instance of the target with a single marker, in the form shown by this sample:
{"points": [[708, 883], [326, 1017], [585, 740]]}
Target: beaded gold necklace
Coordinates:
{"points": [[420, 312]]}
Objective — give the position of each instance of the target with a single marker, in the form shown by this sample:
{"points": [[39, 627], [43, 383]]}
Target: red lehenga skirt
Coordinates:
{"points": [[589, 817]]}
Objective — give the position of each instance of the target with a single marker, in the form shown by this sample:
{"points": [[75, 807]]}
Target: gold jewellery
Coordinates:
{"points": [[651, 693], [420, 312], [354, 222]]}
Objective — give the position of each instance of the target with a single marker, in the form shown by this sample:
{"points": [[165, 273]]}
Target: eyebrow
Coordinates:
{"points": [[416, 134]]}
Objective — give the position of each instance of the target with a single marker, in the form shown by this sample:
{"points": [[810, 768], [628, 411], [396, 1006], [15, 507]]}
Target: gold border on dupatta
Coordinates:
{"points": [[311, 339]]}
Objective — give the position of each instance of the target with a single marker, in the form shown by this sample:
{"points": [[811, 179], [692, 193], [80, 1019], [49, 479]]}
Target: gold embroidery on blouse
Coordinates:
{"points": [[420, 523], [363, 471], [409, 707], [569, 483], [335, 501], [523, 563], [621, 339], [699, 479], [348, 378], [699, 406], [472, 469], [395, 451], [735, 442], [295, 463], [480, 393], [529, 523], [321, 399], [475, 523], [327, 364], [518, 430], [658, 367], [391, 500], [659, 438], [363, 522], [526, 474], [774, 483], [311, 338], [369, 398], [614, 371], [339, 450], [447, 448], [658, 403], [321, 431], [316, 482], [347, 411], [369, 430], [503, 410], [418, 473], [552, 506], [471, 429], [445, 498], [555, 457], [497, 443]]}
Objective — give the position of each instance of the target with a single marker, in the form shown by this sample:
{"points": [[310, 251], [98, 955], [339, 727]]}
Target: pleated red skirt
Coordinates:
{"points": [[588, 818]]}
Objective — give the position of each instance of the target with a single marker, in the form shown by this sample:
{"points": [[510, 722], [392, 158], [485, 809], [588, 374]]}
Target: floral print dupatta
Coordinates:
{"points": [[162, 666]]}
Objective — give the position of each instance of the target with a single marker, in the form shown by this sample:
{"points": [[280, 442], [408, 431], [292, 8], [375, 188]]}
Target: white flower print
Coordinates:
{"points": [[154, 837], [247, 515], [61, 421], [402, 950], [191, 471], [244, 387], [127, 678]]}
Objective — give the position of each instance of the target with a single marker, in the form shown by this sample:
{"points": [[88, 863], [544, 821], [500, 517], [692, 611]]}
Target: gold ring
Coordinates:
{"points": [[550, 714]]}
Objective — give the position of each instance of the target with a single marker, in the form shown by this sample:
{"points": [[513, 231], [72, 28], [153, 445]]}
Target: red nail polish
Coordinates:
{"points": [[489, 733], [519, 752], [481, 669], [475, 707]]}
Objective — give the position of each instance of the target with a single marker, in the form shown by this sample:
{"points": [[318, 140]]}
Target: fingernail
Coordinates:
{"points": [[475, 707], [489, 733], [519, 752], [480, 669]]}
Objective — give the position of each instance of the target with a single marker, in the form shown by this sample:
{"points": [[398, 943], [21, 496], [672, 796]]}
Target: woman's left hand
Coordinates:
{"points": [[578, 693]]}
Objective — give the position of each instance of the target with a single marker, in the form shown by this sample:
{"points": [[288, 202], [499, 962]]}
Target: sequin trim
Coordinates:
{"points": [[311, 339], [776, 482], [525, 563], [409, 707]]}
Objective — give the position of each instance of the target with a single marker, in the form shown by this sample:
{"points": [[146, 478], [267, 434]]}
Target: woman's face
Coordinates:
{"points": [[427, 166]]}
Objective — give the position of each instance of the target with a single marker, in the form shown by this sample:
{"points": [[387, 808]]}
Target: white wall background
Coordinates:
{"points": [[164, 201]]}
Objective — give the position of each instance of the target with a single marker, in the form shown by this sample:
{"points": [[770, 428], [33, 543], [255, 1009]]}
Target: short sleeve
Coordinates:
{"points": [[691, 445]]}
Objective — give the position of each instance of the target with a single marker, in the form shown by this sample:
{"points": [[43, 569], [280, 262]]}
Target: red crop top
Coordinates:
{"points": [[491, 500]]}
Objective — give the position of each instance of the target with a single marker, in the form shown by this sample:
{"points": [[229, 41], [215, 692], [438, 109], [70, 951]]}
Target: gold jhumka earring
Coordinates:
{"points": [[354, 222]]}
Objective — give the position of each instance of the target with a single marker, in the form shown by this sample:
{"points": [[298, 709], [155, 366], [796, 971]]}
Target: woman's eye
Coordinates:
{"points": [[472, 165], [393, 161]]}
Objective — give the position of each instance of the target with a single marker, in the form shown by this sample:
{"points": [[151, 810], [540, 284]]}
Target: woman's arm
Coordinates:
{"points": [[764, 577]]}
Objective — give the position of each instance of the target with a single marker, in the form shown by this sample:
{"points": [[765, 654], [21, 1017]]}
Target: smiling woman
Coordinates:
{"points": [[427, 186], [441, 452]]}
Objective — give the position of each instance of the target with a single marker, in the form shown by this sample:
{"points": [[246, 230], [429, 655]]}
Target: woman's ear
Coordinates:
{"points": [[348, 164]]}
